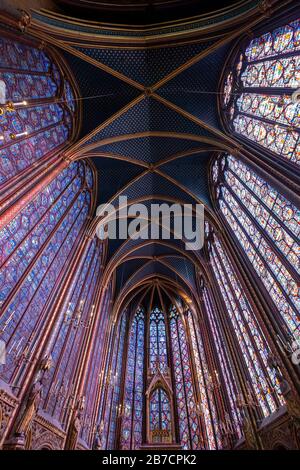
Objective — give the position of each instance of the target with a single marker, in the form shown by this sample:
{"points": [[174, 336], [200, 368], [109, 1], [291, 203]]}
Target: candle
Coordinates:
{"points": [[7, 322], [92, 311], [18, 347], [21, 103], [15, 136], [12, 346]]}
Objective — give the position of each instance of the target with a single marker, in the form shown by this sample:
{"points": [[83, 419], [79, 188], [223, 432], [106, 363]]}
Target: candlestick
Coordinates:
{"points": [[92, 311], [19, 345], [12, 346]]}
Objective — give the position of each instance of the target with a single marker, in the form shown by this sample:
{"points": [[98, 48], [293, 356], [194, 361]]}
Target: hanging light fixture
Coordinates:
{"points": [[9, 107], [14, 136]]}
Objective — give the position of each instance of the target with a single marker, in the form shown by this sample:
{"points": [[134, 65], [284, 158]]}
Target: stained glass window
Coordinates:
{"points": [[105, 378], [112, 407], [43, 117], [250, 338], [207, 407], [35, 247], [224, 361], [185, 394], [258, 92], [69, 332], [157, 340], [176, 385], [93, 379], [132, 420], [267, 227], [160, 414]]}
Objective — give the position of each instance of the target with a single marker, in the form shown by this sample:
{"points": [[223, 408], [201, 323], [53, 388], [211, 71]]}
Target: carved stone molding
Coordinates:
{"points": [[7, 406], [43, 438], [45, 435], [42, 421], [279, 435]]}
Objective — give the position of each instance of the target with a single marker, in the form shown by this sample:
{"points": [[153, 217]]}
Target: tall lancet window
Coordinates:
{"points": [[93, 379], [42, 117], [267, 227], [112, 407], [131, 432], [224, 361], [69, 332], [207, 404], [157, 341], [258, 92], [160, 414], [35, 249], [184, 388], [249, 336]]}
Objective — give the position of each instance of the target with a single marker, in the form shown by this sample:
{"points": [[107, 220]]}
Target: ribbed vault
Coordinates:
{"points": [[150, 125]]}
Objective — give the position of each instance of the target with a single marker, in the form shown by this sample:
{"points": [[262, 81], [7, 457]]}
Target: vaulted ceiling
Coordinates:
{"points": [[150, 124], [139, 11], [151, 151]]}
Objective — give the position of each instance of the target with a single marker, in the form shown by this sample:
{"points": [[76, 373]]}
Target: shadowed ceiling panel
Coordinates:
{"points": [[125, 271], [146, 66], [94, 82], [151, 149], [194, 90], [153, 249], [183, 267], [113, 175], [127, 247], [130, 244], [154, 184], [153, 267], [191, 172], [149, 269], [113, 246], [162, 298], [149, 115]]}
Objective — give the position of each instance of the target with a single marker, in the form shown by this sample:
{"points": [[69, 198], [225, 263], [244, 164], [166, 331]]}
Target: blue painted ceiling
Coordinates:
{"points": [[150, 135], [145, 66]]}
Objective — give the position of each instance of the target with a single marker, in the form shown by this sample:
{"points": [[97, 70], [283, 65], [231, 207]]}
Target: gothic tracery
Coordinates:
{"points": [[142, 344]]}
